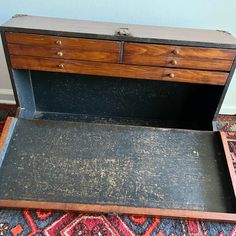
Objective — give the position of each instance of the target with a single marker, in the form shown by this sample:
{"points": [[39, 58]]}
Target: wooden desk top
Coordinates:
{"points": [[107, 30]]}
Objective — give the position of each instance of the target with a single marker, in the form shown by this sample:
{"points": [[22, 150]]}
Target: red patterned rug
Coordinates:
{"points": [[226, 123], [38, 222], [43, 222]]}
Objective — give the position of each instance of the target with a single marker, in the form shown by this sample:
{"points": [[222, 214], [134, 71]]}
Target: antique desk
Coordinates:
{"points": [[117, 118]]}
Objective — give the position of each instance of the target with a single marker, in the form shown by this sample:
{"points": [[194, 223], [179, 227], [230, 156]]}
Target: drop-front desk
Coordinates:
{"points": [[117, 118]]}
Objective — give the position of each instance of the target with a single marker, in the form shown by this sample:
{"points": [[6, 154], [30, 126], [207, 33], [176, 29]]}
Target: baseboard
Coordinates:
{"points": [[228, 110], [7, 96]]}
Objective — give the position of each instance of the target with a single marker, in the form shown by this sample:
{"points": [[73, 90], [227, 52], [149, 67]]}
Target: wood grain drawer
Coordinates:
{"points": [[86, 55], [178, 56], [118, 70], [69, 48]]}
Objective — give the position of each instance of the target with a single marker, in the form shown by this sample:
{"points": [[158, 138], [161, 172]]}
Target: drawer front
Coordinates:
{"points": [[86, 55], [178, 56], [119, 70], [72, 48], [178, 62]]}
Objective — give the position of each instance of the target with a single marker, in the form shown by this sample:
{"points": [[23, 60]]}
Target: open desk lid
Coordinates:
{"points": [[117, 168]]}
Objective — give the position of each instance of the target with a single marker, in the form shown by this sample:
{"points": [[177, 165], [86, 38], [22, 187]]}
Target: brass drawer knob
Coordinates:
{"points": [[176, 52], [59, 42], [173, 62], [61, 66], [60, 54], [171, 75]]}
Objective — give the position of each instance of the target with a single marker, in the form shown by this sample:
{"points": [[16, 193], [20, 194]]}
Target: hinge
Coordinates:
{"points": [[225, 32], [19, 15]]}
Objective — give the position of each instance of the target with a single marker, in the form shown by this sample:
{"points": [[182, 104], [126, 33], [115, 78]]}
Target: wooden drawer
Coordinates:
{"points": [[86, 55], [69, 48], [119, 70], [178, 56]]}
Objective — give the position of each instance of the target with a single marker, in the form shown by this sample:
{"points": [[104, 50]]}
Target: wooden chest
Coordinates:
{"points": [[117, 118]]}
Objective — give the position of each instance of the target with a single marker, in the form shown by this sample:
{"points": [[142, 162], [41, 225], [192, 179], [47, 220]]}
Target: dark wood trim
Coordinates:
{"points": [[184, 214], [229, 160]]}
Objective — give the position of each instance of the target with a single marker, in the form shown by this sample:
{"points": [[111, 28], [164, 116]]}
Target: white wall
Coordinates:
{"points": [[229, 105], [211, 14], [6, 93]]}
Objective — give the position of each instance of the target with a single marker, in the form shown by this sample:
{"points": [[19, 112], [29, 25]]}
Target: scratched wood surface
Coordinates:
{"points": [[75, 162]]}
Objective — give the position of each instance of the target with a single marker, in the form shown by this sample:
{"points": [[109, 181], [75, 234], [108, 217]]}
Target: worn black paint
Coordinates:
{"points": [[158, 103], [23, 85], [75, 162]]}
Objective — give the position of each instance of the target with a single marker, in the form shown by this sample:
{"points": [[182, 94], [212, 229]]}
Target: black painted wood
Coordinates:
{"points": [[127, 101], [75, 162]]}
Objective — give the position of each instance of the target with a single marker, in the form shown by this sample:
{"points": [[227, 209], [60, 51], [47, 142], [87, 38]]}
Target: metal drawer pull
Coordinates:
{"points": [[61, 66], [59, 42], [60, 54]]}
